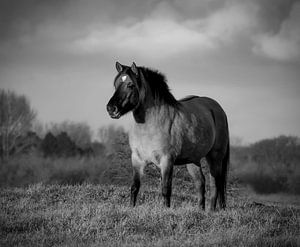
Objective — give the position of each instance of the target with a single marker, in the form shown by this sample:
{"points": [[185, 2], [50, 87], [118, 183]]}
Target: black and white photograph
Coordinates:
{"points": [[150, 123]]}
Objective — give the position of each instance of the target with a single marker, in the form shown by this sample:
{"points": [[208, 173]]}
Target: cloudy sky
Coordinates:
{"points": [[244, 54]]}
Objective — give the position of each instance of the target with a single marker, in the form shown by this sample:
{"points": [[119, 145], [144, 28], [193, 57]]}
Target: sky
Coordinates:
{"points": [[243, 53]]}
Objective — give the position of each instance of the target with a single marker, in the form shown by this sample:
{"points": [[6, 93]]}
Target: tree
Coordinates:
{"points": [[16, 117], [278, 153], [28, 143], [49, 145], [39, 128], [80, 133], [66, 147]]}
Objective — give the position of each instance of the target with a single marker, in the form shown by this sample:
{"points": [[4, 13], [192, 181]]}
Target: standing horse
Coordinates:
{"points": [[168, 132]]}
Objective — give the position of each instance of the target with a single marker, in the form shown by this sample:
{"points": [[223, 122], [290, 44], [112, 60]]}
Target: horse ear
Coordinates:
{"points": [[119, 67], [134, 68]]}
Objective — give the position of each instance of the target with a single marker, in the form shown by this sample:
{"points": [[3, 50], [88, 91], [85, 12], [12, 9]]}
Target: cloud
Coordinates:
{"points": [[285, 44], [164, 33], [231, 21], [272, 13], [19, 17], [150, 37]]}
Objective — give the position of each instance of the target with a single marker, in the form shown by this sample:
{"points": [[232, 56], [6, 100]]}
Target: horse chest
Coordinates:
{"points": [[149, 144]]}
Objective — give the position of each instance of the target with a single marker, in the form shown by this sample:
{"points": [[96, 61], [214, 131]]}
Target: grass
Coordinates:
{"points": [[85, 202], [99, 215]]}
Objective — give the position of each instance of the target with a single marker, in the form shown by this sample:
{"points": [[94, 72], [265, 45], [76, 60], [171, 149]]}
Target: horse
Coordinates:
{"points": [[168, 132]]}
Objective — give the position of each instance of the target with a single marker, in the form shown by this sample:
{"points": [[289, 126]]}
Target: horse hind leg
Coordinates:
{"points": [[217, 182], [199, 180]]}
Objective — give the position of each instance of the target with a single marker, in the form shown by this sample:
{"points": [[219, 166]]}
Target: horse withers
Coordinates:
{"points": [[168, 132]]}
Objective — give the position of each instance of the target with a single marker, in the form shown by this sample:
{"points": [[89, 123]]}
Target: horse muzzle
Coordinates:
{"points": [[113, 111]]}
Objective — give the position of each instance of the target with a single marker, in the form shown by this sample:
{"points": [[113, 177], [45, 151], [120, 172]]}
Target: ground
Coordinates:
{"points": [[99, 215]]}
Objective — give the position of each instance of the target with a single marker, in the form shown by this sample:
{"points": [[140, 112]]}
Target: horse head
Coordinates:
{"points": [[126, 95]]}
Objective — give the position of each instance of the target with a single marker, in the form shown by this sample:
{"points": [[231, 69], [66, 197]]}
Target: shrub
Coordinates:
{"points": [[264, 183], [29, 169], [269, 166], [49, 145]]}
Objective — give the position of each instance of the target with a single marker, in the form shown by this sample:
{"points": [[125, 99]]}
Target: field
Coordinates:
{"points": [[85, 202], [99, 215]]}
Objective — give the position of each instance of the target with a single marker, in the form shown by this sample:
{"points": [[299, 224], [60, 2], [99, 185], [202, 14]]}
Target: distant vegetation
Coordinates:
{"points": [[64, 153], [16, 118], [269, 166], [57, 159]]}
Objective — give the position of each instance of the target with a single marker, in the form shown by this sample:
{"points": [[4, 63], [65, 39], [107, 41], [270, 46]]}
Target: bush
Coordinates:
{"points": [[49, 145], [293, 182], [30, 169], [66, 147], [58, 165], [23, 170], [264, 183], [269, 166]]}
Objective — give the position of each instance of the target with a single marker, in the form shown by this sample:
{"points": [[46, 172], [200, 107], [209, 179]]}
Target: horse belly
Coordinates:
{"points": [[197, 141], [191, 154]]}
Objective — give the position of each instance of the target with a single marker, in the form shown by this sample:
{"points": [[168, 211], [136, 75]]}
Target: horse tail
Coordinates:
{"points": [[225, 168]]}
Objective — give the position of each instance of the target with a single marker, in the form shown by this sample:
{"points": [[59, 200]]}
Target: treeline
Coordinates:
{"points": [[270, 165], [60, 145], [21, 132], [57, 159]]}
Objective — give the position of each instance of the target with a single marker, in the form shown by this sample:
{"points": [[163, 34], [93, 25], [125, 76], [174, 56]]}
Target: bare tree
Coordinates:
{"points": [[39, 128], [16, 116]]}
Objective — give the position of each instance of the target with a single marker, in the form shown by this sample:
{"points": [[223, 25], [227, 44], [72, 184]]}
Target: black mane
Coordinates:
{"points": [[159, 87]]}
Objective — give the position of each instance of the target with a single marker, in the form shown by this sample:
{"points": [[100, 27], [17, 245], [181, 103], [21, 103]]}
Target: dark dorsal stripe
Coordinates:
{"points": [[189, 97]]}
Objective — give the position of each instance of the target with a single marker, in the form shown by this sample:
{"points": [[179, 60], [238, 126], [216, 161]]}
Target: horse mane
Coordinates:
{"points": [[159, 87]]}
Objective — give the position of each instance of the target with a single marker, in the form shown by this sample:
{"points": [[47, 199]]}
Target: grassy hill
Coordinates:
{"points": [[99, 215]]}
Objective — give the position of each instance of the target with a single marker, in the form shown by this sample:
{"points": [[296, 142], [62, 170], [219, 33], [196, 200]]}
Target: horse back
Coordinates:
{"points": [[205, 106]]}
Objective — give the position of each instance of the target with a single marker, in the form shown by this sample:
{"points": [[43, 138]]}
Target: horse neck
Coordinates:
{"points": [[151, 110], [154, 113]]}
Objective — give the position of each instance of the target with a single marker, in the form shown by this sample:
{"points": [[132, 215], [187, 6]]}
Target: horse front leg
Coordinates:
{"points": [[166, 166], [136, 181], [135, 187]]}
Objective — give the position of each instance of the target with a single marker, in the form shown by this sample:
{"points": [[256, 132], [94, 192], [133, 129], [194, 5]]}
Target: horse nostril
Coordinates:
{"points": [[111, 108]]}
